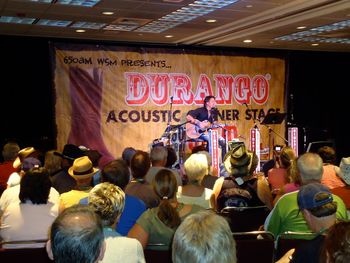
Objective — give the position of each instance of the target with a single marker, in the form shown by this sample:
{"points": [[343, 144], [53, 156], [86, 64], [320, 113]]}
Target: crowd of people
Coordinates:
{"points": [[83, 212]]}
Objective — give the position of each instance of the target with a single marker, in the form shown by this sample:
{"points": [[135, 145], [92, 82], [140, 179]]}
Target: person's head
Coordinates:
{"points": [[140, 164], [171, 158], [316, 203], [336, 246], [69, 154], [239, 162], [165, 186], [76, 236], [196, 167], [159, 156], [10, 151], [94, 156], [29, 163], [204, 237], [327, 154], [127, 154], [82, 170], [35, 186], [209, 102], [286, 156], [116, 172], [108, 201], [52, 162], [310, 167]]}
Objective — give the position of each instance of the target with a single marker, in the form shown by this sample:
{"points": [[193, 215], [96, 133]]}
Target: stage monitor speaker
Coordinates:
{"points": [[314, 146]]}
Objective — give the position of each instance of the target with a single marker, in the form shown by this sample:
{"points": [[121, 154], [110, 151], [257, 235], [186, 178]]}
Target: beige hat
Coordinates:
{"points": [[82, 168], [238, 158], [22, 154]]}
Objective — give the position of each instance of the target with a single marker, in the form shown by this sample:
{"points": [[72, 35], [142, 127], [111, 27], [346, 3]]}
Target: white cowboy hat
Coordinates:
{"points": [[344, 170]]}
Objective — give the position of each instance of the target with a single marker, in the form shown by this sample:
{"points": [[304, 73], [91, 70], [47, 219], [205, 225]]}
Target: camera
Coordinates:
{"points": [[277, 148]]}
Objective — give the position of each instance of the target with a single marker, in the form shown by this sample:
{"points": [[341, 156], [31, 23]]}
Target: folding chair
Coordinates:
{"points": [[27, 254], [288, 240], [243, 219], [254, 246], [155, 255]]}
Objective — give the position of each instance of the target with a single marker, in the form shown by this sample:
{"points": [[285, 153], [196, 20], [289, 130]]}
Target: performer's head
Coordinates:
{"points": [[209, 101]]}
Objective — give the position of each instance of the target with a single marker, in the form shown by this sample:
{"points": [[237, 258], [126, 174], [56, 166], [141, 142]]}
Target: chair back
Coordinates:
{"points": [[244, 219], [254, 246], [156, 254], [288, 240], [38, 255]]}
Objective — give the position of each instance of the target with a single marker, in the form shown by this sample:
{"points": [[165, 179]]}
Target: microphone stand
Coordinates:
{"points": [[254, 119]]}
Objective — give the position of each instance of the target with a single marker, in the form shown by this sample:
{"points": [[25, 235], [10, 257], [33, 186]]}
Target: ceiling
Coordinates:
{"points": [[268, 24]]}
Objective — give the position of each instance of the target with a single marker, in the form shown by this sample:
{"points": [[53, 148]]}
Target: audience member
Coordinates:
{"points": [[336, 248], [76, 236], [204, 237], [344, 172], [31, 216], [9, 153], [243, 187], [280, 174], [52, 162], [62, 181], [171, 158], [138, 186], [108, 201], [330, 176], [196, 167], [210, 178], [82, 171], [157, 225], [26, 164], [159, 155], [285, 215], [117, 172], [316, 203]]}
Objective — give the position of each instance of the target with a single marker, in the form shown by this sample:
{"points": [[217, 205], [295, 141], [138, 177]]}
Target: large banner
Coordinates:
{"points": [[109, 98]]}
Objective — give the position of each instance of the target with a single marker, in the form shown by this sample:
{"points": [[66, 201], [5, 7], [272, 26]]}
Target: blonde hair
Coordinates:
{"points": [[108, 201], [196, 167]]}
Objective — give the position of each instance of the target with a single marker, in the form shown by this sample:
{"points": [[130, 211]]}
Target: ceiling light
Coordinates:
{"points": [[247, 41], [210, 20], [80, 30], [314, 44], [107, 13], [249, 6], [86, 3], [301, 27], [169, 36]]}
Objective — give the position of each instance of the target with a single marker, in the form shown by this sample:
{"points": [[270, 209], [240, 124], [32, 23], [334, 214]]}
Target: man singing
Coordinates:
{"points": [[203, 119]]}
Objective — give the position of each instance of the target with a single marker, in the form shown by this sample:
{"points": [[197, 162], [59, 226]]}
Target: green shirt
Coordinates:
{"points": [[158, 232], [285, 216]]}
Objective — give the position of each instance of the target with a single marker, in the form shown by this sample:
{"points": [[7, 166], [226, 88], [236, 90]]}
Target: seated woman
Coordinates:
{"points": [[157, 225], [108, 201], [243, 187], [31, 217], [196, 167]]}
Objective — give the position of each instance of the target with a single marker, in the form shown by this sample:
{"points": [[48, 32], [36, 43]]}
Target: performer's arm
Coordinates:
{"points": [[191, 118]]}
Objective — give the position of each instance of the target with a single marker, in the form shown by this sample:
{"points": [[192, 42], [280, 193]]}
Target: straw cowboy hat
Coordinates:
{"points": [[344, 169], [238, 158], [82, 168], [22, 154]]}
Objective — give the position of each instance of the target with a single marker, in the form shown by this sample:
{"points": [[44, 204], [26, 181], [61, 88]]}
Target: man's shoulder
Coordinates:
{"points": [[287, 198]]}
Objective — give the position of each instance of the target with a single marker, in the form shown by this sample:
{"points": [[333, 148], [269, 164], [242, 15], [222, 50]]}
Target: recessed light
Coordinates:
{"points": [[249, 6], [314, 44], [301, 27], [80, 30], [247, 41], [107, 13], [169, 36], [210, 20], [271, 42]]}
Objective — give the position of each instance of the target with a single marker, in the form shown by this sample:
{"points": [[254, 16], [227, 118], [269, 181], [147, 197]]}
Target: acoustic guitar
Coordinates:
{"points": [[194, 131]]}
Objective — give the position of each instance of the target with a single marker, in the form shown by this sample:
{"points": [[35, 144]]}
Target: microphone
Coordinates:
{"points": [[171, 98]]}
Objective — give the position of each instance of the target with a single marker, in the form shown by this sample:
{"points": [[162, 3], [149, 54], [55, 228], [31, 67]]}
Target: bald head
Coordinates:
{"points": [[77, 235]]}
